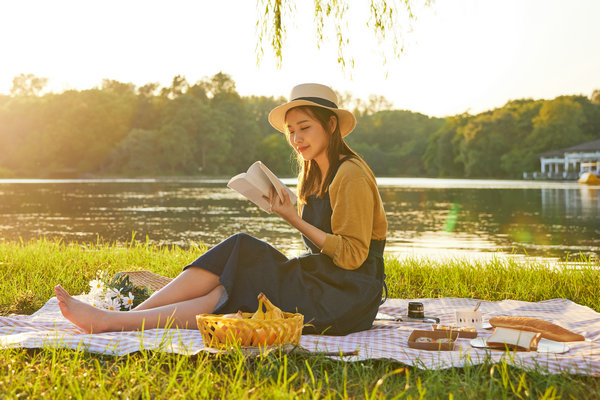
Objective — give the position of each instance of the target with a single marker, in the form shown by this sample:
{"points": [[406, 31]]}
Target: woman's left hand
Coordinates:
{"points": [[284, 208]]}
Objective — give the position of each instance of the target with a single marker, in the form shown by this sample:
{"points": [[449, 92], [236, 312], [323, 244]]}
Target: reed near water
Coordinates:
{"points": [[31, 269]]}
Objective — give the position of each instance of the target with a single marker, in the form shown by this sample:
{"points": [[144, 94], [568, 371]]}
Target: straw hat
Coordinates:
{"points": [[313, 94]]}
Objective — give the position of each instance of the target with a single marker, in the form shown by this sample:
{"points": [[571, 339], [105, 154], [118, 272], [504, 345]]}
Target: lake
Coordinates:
{"points": [[426, 217]]}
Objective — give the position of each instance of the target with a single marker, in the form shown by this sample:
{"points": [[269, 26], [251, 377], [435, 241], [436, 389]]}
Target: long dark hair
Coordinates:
{"points": [[310, 180]]}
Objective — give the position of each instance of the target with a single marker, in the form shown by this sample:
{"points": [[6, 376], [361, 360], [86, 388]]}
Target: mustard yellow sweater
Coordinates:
{"points": [[357, 217]]}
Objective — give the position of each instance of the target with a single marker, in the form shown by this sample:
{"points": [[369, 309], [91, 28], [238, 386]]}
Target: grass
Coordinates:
{"points": [[30, 270]]}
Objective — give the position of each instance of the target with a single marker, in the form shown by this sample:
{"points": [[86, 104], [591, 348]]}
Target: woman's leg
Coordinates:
{"points": [[192, 283], [94, 320]]}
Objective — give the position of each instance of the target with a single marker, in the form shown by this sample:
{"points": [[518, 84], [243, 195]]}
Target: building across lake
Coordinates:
{"points": [[569, 163]]}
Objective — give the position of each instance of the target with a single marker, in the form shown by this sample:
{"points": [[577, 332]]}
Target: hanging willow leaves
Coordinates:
{"points": [[387, 19]]}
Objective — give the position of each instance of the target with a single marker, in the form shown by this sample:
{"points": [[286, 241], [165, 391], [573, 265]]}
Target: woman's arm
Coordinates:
{"points": [[355, 202], [352, 203], [286, 210]]}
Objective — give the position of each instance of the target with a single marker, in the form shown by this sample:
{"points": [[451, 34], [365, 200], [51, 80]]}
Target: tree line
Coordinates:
{"points": [[207, 128]]}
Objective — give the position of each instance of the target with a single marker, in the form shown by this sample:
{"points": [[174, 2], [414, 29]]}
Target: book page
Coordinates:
{"points": [[256, 175], [256, 183], [244, 186], [277, 183]]}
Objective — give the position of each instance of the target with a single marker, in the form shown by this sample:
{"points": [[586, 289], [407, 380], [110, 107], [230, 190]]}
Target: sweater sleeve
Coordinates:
{"points": [[352, 204]]}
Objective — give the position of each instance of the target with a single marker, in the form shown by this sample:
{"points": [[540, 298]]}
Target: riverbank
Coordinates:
{"points": [[30, 270]]}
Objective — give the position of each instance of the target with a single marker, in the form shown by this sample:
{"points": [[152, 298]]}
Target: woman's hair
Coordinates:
{"points": [[310, 180]]}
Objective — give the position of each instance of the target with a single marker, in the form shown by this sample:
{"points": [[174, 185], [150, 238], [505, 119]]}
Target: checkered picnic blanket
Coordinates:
{"points": [[386, 340]]}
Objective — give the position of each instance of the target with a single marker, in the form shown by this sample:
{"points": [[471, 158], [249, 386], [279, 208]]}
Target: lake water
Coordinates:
{"points": [[430, 217]]}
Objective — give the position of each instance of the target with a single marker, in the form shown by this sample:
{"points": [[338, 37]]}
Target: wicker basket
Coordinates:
{"points": [[219, 332], [225, 332], [147, 279]]}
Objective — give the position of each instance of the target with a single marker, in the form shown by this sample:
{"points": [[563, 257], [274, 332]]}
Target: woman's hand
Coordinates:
{"points": [[284, 208]]}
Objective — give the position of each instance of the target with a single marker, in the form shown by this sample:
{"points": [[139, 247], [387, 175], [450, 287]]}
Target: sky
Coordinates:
{"points": [[458, 56]]}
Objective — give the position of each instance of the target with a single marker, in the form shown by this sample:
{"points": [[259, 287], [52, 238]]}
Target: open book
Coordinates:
{"points": [[256, 183]]}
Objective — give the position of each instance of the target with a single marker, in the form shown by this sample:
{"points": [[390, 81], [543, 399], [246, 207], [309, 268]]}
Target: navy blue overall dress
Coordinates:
{"points": [[333, 300]]}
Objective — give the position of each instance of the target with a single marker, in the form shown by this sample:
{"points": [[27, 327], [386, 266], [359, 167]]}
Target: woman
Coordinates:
{"points": [[337, 285]]}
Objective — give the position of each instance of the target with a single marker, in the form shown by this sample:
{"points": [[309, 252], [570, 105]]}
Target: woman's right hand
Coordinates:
{"points": [[284, 208]]}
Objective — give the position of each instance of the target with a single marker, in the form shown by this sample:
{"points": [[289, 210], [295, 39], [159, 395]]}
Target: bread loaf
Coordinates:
{"points": [[547, 329], [514, 339]]}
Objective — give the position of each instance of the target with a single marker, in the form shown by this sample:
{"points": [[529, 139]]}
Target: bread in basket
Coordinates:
{"points": [[263, 328]]}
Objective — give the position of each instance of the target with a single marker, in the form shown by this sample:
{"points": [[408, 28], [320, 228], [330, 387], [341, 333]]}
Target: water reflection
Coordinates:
{"points": [[426, 216], [581, 202]]}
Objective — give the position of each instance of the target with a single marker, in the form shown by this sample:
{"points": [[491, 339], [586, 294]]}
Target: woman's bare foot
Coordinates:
{"points": [[85, 316]]}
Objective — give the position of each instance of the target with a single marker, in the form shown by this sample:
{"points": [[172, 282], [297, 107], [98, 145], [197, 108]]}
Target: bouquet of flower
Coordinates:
{"points": [[114, 293]]}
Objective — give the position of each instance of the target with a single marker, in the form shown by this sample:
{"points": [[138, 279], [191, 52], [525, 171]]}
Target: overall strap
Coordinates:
{"points": [[340, 163], [376, 248], [385, 288]]}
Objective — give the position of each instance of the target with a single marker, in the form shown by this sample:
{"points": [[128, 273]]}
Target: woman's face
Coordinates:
{"points": [[307, 136]]}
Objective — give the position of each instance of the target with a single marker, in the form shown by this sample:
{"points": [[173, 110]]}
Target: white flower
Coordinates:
{"points": [[94, 300], [116, 294], [128, 301], [113, 305], [98, 303], [96, 285]]}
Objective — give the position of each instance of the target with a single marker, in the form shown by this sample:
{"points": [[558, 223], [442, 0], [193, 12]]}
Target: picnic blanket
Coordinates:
{"points": [[386, 340]]}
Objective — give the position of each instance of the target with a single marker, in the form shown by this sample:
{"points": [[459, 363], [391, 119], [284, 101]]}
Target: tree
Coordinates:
{"points": [[557, 125], [149, 108], [374, 104], [185, 136], [524, 111], [393, 141], [124, 130], [521, 157], [178, 86], [275, 152], [136, 154], [235, 122], [259, 108], [595, 98], [83, 128], [20, 119], [273, 148], [486, 138], [377, 159], [591, 113], [221, 84], [442, 156], [27, 85], [385, 18], [519, 160], [111, 85]]}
